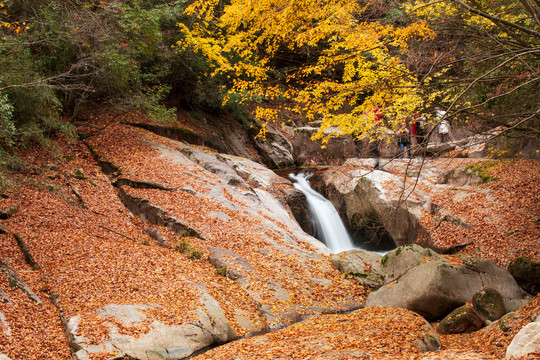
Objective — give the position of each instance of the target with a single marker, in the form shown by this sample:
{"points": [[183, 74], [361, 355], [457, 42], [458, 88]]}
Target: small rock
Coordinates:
{"points": [[6, 214], [462, 320], [489, 303]]}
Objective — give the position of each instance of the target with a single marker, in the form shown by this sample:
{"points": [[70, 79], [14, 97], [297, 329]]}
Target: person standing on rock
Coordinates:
{"points": [[419, 133], [444, 127], [404, 140]]}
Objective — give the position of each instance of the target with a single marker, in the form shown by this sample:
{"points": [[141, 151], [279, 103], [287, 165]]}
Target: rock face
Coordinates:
{"points": [[526, 341], [233, 213], [527, 274], [365, 200], [371, 333], [421, 280], [276, 148], [394, 197]]}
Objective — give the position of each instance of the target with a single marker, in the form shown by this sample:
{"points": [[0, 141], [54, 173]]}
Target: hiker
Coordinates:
{"points": [[404, 140], [444, 126], [419, 133]]}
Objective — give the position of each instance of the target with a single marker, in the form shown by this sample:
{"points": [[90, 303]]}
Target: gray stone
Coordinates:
{"points": [[275, 148], [515, 304], [431, 289], [161, 342], [362, 264], [526, 341], [434, 287], [400, 260]]}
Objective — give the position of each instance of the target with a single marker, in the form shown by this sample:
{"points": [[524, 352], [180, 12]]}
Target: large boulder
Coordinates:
{"points": [[434, 287], [526, 341], [366, 198], [527, 274]]}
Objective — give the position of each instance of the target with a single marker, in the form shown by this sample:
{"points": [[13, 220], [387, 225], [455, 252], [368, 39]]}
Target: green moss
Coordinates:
{"points": [[481, 171]]}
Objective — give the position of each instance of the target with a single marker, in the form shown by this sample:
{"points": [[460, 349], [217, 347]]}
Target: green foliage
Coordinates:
{"points": [[222, 271], [182, 246], [7, 127]]}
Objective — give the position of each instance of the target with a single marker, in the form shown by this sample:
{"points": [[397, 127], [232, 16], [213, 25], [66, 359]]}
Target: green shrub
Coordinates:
{"points": [[182, 246]]}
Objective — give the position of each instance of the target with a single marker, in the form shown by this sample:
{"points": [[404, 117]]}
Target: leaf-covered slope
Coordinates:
{"points": [[93, 252]]}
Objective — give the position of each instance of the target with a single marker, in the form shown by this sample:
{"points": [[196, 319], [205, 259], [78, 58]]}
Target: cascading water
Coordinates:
{"points": [[329, 226]]}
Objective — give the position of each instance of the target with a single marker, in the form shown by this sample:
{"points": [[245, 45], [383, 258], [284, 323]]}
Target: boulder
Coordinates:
{"points": [[526, 341], [462, 320], [160, 341], [516, 304], [363, 265], [527, 274], [435, 287], [400, 260], [489, 303], [369, 195]]}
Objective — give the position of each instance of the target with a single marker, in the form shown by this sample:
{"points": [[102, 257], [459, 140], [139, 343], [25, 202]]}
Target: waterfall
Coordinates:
{"points": [[330, 228]]}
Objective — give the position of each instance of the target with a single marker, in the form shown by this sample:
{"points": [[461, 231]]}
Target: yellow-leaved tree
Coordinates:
{"points": [[338, 61]]}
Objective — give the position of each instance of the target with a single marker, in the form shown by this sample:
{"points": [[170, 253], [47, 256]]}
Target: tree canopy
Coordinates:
{"points": [[345, 63]]}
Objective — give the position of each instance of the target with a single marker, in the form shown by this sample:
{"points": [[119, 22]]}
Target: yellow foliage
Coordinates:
{"points": [[351, 68]]}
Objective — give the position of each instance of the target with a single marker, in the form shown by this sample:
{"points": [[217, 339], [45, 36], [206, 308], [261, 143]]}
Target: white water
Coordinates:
{"points": [[329, 225]]}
